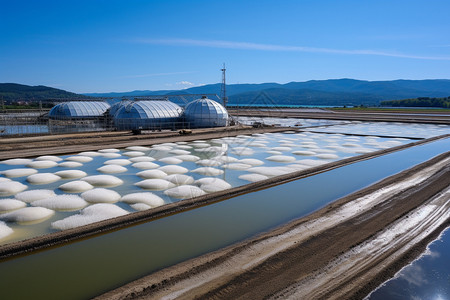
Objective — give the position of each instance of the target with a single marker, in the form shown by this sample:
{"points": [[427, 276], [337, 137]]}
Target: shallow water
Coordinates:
{"points": [[90, 267], [426, 278]]}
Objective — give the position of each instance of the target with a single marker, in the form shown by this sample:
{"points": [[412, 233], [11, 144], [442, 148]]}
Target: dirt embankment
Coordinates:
{"points": [[342, 251]]}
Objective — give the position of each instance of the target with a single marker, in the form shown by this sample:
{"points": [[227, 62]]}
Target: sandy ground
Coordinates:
{"points": [[342, 251]]}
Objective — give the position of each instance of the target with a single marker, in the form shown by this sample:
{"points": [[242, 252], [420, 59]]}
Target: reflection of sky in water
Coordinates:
{"points": [[289, 122], [427, 278]]}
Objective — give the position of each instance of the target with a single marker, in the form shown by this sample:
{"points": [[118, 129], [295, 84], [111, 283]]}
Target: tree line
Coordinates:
{"points": [[419, 102]]}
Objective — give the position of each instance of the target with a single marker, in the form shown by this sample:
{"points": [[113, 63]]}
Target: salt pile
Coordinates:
{"points": [[251, 161], [184, 192], [77, 186], [120, 162], [208, 162], [27, 215], [71, 174], [33, 195], [187, 157], [79, 158], [140, 206], [170, 160], [101, 195], [91, 214], [4, 230], [145, 165], [112, 169], [12, 173], [327, 156], [111, 155], [2, 179], [138, 148], [179, 179], [8, 188], [281, 149], [49, 157], [152, 174], [208, 171], [184, 147], [179, 152], [17, 161], [146, 198], [10, 204], [253, 177], [70, 164], [154, 184], [62, 203], [171, 169], [226, 159], [90, 153], [133, 153], [211, 185], [110, 150], [161, 148], [43, 178], [303, 153], [42, 164], [281, 158], [269, 171], [141, 159], [236, 166], [103, 180], [274, 152]]}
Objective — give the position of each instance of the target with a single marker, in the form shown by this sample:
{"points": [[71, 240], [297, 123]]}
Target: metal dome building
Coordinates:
{"points": [[148, 114], [78, 110], [205, 112], [116, 106]]}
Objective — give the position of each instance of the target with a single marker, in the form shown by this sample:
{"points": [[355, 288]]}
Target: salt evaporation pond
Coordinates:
{"points": [[105, 262]]}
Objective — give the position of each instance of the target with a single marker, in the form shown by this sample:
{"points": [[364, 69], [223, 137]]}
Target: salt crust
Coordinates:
{"points": [[184, 147], [17, 161], [79, 158], [4, 230], [101, 195], [76, 186], [184, 192], [141, 159], [33, 195], [111, 155], [171, 169], [236, 166], [103, 180], [42, 164], [253, 177], [49, 157], [145, 165], [327, 156], [91, 214], [179, 179], [179, 152], [71, 174], [208, 171], [110, 150], [146, 198], [12, 173], [152, 174], [281, 158], [209, 162], [161, 148], [138, 148], [140, 206], [8, 188], [70, 164], [10, 204], [112, 169], [304, 153], [155, 184], [187, 157], [171, 160], [27, 214], [120, 162], [133, 153], [251, 161], [62, 203], [43, 178], [200, 145]]}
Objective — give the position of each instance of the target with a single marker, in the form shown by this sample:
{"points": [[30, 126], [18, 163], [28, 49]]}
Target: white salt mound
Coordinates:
{"points": [[111, 155], [42, 164], [171, 169], [12, 173], [62, 202], [251, 161], [71, 174], [4, 230], [179, 152], [226, 159], [2, 179], [141, 159], [145, 165], [281, 158], [327, 156], [140, 206], [236, 166], [90, 153], [154, 184], [215, 186], [281, 149], [179, 179], [209, 162], [17, 161], [253, 177], [152, 174], [70, 164], [304, 153], [187, 157], [184, 192], [10, 204], [120, 162], [8, 188], [208, 171], [101, 195], [110, 150], [76, 186], [170, 160], [103, 180], [33, 195], [134, 153], [138, 148], [27, 214], [274, 152], [43, 178], [112, 169], [146, 198], [49, 157], [184, 147], [269, 171], [79, 158], [161, 148], [310, 162], [91, 214]]}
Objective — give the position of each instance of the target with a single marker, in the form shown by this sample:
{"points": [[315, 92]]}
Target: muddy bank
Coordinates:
{"points": [[342, 251]]}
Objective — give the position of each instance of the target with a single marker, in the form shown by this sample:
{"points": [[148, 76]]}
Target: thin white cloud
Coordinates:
{"points": [[185, 83], [155, 74], [270, 47]]}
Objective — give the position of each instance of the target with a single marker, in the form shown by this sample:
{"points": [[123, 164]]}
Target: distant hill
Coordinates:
{"points": [[13, 92], [316, 92], [419, 102]]}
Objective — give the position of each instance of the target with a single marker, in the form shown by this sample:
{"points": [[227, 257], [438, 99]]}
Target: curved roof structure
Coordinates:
{"points": [[116, 106], [150, 114], [78, 109], [205, 112]]}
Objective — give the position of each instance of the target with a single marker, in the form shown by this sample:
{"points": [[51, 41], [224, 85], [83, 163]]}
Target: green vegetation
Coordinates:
{"points": [[419, 102], [25, 94]]}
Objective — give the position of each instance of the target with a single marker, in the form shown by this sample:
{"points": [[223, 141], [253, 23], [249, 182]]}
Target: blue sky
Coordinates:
{"points": [[109, 45]]}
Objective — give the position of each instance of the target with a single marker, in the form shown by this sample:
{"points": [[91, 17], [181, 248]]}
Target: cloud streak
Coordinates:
{"points": [[277, 48]]}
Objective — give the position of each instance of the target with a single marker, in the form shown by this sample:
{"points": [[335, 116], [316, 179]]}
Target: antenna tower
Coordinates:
{"points": [[223, 91]]}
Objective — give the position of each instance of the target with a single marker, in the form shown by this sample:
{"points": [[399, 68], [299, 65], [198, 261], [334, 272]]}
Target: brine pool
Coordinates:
{"points": [[90, 267]]}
